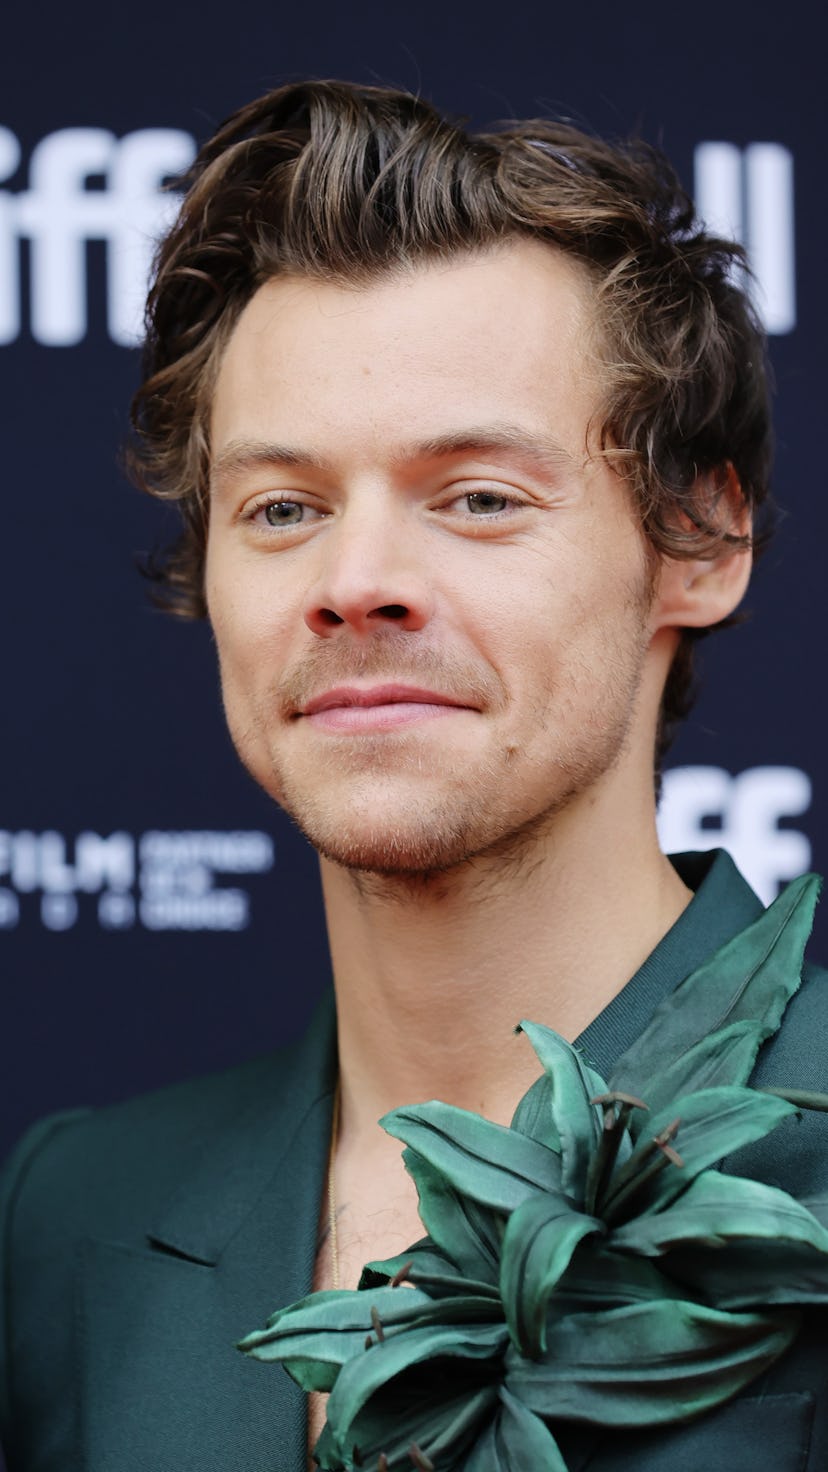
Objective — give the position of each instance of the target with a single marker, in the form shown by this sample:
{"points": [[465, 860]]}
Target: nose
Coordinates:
{"points": [[370, 575]]}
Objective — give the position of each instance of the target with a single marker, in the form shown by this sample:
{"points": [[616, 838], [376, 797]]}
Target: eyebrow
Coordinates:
{"points": [[540, 451], [240, 455], [533, 448]]}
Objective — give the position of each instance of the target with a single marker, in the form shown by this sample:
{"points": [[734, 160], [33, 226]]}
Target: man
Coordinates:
{"points": [[468, 433]]}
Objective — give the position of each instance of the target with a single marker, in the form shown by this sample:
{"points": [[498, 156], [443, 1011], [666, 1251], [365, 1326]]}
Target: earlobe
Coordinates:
{"points": [[696, 593]]}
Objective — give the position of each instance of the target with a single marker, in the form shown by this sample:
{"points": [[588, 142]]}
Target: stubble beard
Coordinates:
{"points": [[438, 829]]}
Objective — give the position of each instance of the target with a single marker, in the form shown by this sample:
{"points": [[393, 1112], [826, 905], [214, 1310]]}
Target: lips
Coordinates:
{"points": [[345, 696], [353, 711]]}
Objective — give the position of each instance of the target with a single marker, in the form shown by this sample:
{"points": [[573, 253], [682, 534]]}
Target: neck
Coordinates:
{"points": [[433, 973]]}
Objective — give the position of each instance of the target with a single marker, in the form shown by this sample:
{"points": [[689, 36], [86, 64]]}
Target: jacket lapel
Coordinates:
{"points": [[164, 1386]]}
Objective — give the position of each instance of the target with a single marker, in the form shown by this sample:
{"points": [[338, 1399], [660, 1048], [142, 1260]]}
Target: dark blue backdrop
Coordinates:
{"points": [[111, 718]]}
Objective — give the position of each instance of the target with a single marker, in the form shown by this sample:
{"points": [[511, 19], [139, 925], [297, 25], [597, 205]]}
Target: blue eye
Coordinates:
{"points": [[486, 503]]}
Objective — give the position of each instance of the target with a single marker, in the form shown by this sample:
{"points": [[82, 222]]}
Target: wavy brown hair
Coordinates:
{"points": [[345, 183]]}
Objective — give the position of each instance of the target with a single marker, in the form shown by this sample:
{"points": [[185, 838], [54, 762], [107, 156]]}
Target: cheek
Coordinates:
{"points": [[240, 637], [256, 640], [244, 613], [572, 634]]}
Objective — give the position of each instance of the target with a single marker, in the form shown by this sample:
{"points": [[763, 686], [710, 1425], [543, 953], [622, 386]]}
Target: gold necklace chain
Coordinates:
{"points": [[333, 1230]]}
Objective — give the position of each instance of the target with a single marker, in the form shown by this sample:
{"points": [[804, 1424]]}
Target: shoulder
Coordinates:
{"points": [[111, 1171], [93, 1157], [113, 1174], [117, 1165], [86, 1173]]}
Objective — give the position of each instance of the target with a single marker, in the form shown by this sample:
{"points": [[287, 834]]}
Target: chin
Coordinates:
{"points": [[373, 825], [432, 843], [420, 823], [392, 852]]}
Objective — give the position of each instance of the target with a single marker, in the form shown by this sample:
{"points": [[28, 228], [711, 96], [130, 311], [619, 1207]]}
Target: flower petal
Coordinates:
{"points": [[316, 1336], [649, 1364], [366, 1374], [578, 1123], [540, 1239], [534, 1117], [516, 1441], [488, 1162], [599, 1278], [722, 1059], [716, 1208], [818, 1207], [443, 1423], [465, 1231], [713, 1123], [751, 979], [429, 1269]]}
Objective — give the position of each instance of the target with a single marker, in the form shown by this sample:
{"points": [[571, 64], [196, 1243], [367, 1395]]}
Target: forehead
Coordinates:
{"points": [[501, 335]]}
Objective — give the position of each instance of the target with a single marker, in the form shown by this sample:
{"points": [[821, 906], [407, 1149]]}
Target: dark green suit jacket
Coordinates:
{"points": [[141, 1241]]}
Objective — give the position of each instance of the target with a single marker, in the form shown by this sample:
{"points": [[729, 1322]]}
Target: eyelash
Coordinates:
{"points": [[511, 503], [255, 514]]}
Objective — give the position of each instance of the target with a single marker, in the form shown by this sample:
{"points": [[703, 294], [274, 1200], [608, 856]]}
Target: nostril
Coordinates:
{"points": [[390, 610], [328, 616]]}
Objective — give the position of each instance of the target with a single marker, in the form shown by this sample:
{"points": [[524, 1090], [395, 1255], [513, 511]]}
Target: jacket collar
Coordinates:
{"points": [[289, 1094], [723, 903], [163, 1383]]}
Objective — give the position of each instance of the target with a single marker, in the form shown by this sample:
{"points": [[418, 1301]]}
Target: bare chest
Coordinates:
{"points": [[366, 1232]]}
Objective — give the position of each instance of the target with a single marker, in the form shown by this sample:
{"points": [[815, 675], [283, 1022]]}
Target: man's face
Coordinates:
{"points": [[431, 609]]}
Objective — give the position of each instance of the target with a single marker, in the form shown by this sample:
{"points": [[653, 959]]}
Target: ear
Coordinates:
{"points": [[699, 592]]}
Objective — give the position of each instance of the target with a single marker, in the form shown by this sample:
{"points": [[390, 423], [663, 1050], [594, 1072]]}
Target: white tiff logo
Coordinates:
{"points": [[62, 210], [747, 195], [708, 807]]}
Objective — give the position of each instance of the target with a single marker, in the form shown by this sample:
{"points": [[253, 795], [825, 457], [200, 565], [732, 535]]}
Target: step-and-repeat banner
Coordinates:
{"points": [[158, 916]]}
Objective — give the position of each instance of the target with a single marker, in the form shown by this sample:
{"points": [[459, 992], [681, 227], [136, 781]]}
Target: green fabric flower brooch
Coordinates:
{"points": [[589, 1263]]}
